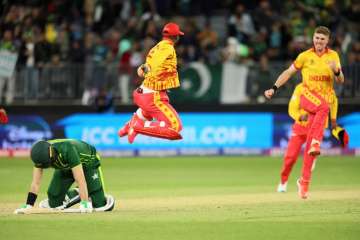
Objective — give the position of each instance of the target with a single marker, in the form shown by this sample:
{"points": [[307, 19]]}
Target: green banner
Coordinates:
{"points": [[200, 83], [222, 83]]}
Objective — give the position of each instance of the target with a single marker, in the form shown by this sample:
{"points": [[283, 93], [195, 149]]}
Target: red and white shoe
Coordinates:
{"points": [[303, 188], [124, 130], [314, 148], [135, 121]]}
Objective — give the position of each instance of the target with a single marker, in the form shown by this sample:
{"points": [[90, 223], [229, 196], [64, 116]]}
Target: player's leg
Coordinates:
{"points": [[313, 103], [167, 124], [155, 105], [139, 116], [138, 119], [59, 186], [304, 182], [290, 158], [96, 189]]}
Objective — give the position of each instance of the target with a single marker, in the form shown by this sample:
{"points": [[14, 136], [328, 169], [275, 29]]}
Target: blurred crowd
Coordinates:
{"points": [[93, 36]]}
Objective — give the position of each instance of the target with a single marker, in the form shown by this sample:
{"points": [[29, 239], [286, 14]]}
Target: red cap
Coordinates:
{"points": [[172, 29]]}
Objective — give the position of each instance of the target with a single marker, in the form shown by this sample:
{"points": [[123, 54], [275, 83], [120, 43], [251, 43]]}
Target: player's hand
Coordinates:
{"points": [[269, 93], [332, 65], [23, 209], [142, 70], [85, 206]]}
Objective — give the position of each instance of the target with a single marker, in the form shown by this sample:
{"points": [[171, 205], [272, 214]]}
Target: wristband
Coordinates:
{"points": [[275, 88], [337, 73], [31, 198]]}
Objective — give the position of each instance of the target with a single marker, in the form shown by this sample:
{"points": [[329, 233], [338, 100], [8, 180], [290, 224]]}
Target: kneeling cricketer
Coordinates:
{"points": [[73, 161]]}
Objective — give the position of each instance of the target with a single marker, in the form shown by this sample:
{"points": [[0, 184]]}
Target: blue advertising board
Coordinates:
{"points": [[205, 130], [23, 130], [351, 123], [203, 133]]}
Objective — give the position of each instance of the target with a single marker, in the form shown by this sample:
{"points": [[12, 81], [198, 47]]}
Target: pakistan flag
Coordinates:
{"points": [[211, 84]]}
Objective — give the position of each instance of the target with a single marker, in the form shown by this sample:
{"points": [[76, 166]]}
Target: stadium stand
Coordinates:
{"points": [[72, 52]]}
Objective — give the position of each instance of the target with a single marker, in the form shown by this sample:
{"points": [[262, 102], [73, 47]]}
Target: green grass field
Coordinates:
{"points": [[196, 198]]}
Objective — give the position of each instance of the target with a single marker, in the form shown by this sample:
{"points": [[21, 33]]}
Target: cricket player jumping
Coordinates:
{"points": [[73, 160], [160, 74]]}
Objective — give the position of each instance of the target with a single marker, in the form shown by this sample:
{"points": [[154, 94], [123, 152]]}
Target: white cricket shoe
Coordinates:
{"points": [[282, 187], [109, 206], [45, 204]]}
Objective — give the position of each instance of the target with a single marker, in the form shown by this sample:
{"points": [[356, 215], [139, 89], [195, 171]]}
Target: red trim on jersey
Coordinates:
{"points": [[168, 40], [295, 66], [320, 55]]}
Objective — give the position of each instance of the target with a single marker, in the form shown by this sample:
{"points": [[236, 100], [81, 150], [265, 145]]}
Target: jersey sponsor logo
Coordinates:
{"points": [[319, 78]]}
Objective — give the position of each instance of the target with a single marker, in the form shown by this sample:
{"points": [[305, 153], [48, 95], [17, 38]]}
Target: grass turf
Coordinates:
{"points": [[196, 198]]}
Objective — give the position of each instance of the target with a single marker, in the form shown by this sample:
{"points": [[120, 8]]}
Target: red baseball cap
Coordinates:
{"points": [[172, 29]]}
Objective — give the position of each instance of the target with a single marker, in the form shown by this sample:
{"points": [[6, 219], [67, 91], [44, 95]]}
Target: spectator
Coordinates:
{"points": [[7, 47], [208, 41], [241, 24]]}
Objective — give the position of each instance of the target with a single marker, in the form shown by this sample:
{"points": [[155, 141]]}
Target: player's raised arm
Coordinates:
{"points": [[281, 80]]}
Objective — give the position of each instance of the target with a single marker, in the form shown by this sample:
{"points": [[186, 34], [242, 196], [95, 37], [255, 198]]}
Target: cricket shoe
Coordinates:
{"points": [[134, 122], [282, 187], [303, 189], [109, 206], [45, 204], [314, 148], [71, 198], [124, 130]]}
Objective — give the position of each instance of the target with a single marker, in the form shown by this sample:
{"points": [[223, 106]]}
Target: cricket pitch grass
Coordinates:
{"points": [[195, 198]]}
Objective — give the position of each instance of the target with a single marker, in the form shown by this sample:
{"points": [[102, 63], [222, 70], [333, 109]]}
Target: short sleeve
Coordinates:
{"points": [[299, 61]]}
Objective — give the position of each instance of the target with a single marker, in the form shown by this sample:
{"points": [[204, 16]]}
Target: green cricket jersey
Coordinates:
{"points": [[71, 152]]}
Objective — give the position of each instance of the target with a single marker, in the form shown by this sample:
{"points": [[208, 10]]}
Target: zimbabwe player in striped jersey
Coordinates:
{"points": [[299, 132], [320, 67], [155, 116]]}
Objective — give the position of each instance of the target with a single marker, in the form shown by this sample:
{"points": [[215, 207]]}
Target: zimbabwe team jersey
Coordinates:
{"points": [[162, 62], [294, 105], [316, 73], [295, 111], [73, 152]]}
